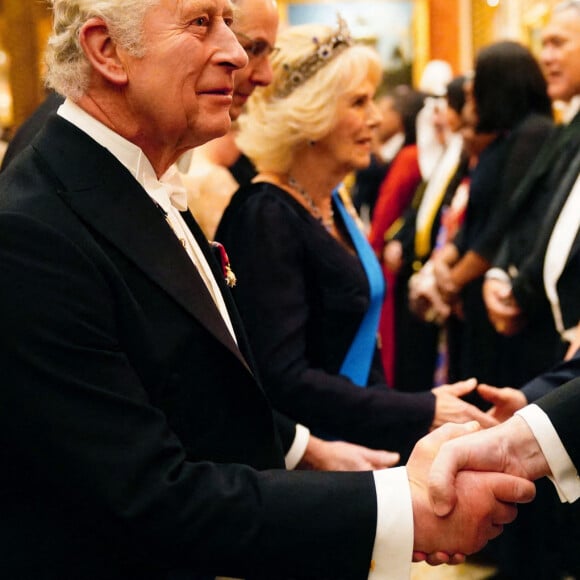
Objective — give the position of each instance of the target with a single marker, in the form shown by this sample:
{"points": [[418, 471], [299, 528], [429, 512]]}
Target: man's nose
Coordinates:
{"points": [[546, 55], [262, 74], [233, 52]]}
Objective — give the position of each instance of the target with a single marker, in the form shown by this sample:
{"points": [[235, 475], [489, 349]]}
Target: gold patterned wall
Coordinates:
{"points": [[518, 19], [483, 24], [24, 27], [534, 16]]}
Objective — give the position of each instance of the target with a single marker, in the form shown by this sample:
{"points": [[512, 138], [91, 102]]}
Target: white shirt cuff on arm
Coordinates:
{"points": [[564, 475], [393, 549], [498, 274], [298, 447]]}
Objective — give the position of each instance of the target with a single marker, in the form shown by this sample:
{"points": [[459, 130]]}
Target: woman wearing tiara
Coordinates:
{"points": [[309, 286]]}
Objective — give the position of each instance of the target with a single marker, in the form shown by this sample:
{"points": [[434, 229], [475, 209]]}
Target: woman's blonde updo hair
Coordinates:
{"points": [[277, 124], [67, 67]]}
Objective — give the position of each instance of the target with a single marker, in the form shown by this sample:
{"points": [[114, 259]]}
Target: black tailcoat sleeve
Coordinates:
{"points": [[528, 286], [135, 435], [552, 379]]}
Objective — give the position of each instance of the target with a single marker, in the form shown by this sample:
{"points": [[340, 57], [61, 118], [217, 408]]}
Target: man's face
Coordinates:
{"points": [[560, 55], [180, 92], [256, 26]]}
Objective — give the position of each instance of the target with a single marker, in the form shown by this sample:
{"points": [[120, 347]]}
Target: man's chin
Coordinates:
{"points": [[237, 107], [235, 112], [208, 133]]}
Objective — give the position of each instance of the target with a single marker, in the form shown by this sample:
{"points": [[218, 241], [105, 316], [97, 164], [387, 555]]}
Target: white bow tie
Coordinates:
{"points": [[173, 185]]}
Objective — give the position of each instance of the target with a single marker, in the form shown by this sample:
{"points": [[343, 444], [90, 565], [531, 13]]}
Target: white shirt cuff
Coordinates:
{"points": [[393, 549], [564, 475], [298, 447], [497, 274]]}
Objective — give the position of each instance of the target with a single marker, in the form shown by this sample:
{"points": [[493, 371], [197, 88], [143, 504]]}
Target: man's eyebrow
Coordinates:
{"points": [[205, 6]]}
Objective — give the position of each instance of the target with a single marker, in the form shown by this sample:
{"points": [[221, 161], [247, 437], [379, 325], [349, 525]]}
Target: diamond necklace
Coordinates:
{"points": [[314, 209]]}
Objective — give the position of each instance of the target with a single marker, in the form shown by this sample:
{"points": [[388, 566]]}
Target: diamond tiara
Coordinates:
{"points": [[297, 74]]}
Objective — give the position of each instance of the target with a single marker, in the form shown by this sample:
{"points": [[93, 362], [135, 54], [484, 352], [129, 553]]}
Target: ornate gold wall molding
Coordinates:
{"points": [[25, 24], [421, 38], [483, 24], [23, 21]]}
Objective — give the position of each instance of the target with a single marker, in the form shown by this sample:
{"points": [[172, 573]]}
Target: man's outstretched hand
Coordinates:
{"points": [[509, 448], [474, 512]]}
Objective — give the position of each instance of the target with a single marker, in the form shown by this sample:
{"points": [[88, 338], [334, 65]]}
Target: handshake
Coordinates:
{"points": [[465, 483]]}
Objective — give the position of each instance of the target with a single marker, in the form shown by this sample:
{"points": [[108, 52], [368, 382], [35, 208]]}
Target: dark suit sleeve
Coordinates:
{"points": [[548, 381], [562, 406], [522, 148], [286, 429], [528, 286], [81, 434]]}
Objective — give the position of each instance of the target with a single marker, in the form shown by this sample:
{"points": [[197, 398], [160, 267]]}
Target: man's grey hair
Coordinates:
{"points": [[68, 69]]}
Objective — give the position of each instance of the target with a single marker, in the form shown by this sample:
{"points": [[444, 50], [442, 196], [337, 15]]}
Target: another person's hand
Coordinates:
{"points": [[393, 255], [443, 262], [448, 290], [503, 310], [506, 401], [484, 501], [341, 456], [424, 298], [508, 448], [449, 408]]}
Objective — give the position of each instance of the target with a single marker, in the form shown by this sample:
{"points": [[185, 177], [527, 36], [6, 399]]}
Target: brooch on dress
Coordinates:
{"points": [[227, 271]]}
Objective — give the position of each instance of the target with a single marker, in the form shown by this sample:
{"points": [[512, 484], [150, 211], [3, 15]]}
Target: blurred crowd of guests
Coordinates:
{"points": [[479, 244]]}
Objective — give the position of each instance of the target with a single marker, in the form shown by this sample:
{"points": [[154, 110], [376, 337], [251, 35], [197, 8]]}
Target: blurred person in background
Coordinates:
{"points": [[309, 286], [534, 320], [398, 109], [394, 195], [531, 292], [218, 168], [513, 106], [409, 242], [511, 102]]}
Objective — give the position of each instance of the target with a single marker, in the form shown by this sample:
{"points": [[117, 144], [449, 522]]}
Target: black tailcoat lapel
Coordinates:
{"points": [[243, 342], [114, 204]]}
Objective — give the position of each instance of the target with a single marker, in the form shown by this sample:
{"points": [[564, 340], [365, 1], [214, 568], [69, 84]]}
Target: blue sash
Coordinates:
{"points": [[357, 362]]}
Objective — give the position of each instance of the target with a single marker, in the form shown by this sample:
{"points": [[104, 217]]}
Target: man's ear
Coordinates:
{"points": [[101, 51]]}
